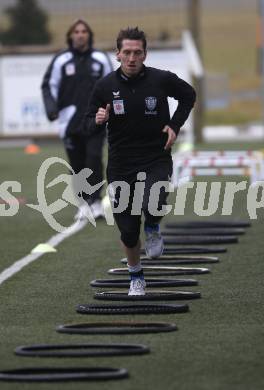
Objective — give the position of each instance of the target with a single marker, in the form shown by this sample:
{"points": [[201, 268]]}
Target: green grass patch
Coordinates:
{"points": [[218, 345]]}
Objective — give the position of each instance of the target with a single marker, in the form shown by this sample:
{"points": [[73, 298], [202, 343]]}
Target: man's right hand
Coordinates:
{"points": [[102, 115]]}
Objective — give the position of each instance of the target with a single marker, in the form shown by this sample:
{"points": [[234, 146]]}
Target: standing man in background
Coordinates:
{"points": [[133, 100], [66, 89]]}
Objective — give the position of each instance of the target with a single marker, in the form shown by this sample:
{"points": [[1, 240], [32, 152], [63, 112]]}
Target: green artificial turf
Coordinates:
{"points": [[219, 342]]}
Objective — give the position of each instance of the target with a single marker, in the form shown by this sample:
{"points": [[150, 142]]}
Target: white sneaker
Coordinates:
{"points": [[97, 209], [85, 210], [82, 212], [154, 244], [137, 287]]}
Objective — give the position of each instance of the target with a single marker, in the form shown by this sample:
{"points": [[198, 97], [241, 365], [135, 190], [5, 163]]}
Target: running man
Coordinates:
{"points": [[133, 102]]}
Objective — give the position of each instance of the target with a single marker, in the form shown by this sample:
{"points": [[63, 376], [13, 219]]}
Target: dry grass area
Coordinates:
{"points": [[228, 42], [238, 113], [229, 45], [107, 21]]}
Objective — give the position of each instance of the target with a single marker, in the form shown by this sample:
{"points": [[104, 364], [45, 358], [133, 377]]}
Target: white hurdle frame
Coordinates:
{"points": [[218, 163]]}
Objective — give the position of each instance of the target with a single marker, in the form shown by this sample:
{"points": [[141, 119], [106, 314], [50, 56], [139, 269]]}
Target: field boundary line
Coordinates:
{"points": [[53, 241]]}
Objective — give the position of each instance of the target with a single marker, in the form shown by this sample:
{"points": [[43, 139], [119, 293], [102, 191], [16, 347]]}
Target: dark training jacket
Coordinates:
{"points": [[68, 83], [139, 111]]}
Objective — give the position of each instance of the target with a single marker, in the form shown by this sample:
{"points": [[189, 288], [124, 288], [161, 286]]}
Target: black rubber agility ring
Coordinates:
{"points": [[179, 262], [174, 260], [177, 257], [52, 374], [117, 328], [208, 224], [81, 350], [149, 296], [191, 250], [150, 282], [203, 232], [193, 240], [131, 309], [162, 271], [173, 257]]}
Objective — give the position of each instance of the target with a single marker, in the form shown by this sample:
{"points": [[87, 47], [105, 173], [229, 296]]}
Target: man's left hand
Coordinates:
{"points": [[171, 137]]}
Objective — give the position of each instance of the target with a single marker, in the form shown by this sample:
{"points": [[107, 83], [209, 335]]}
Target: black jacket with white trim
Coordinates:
{"points": [[67, 86]]}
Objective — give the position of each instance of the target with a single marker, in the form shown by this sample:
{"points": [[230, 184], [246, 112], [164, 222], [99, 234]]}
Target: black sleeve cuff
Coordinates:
{"points": [[175, 127]]}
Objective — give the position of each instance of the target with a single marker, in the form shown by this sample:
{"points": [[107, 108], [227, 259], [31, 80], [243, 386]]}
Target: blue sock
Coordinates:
{"points": [[136, 275], [135, 272], [152, 228]]}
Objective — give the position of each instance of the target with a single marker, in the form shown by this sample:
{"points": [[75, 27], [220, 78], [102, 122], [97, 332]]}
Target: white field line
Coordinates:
{"points": [[53, 241]]}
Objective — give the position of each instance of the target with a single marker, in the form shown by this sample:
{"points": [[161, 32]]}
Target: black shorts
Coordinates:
{"points": [[148, 200]]}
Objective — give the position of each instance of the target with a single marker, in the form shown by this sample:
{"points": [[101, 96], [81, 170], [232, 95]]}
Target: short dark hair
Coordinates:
{"points": [[132, 33], [72, 27]]}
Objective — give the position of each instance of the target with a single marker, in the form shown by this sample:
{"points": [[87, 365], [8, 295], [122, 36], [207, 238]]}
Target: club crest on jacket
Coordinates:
{"points": [[151, 103]]}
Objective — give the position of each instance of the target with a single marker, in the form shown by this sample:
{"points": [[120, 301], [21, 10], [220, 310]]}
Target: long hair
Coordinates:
{"points": [[88, 28]]}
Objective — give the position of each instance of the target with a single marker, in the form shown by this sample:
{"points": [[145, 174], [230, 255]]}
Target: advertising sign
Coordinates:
{"points": [[22, 110]]}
